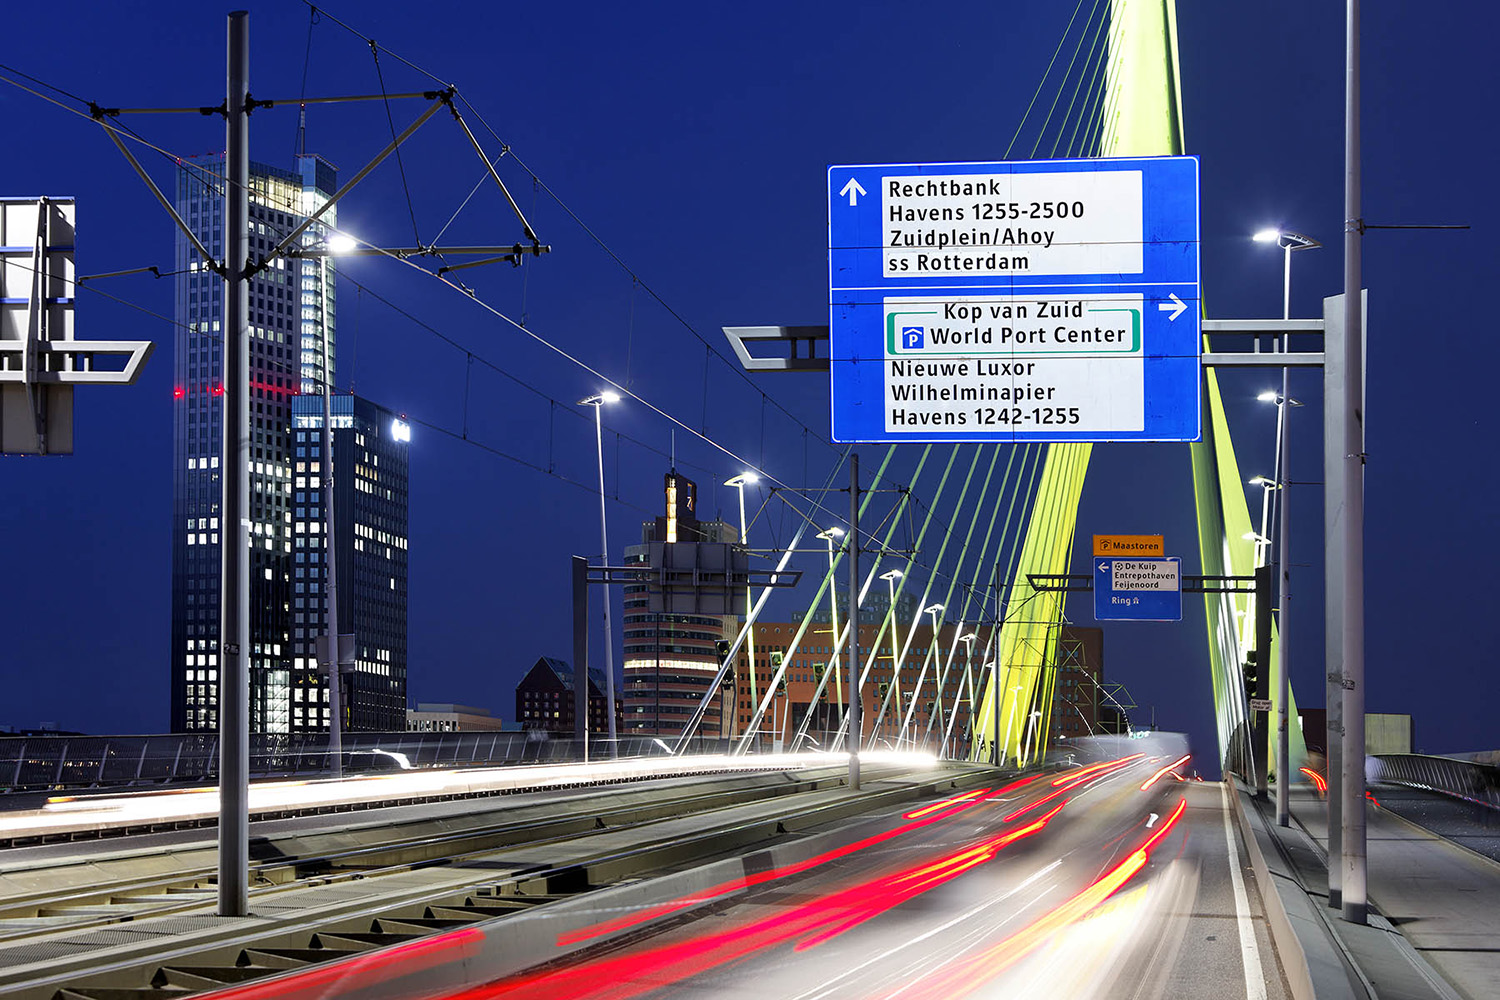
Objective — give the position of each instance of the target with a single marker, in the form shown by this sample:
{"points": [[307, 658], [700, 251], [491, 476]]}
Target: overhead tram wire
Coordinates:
{"points": [[1091, 112], [1031, 453], [894, 688], [994, 644], [706, 438], [759, 711], [957, 574], [889, 622], [411, 211], [982, 564], [577, 362], [953, 578], [459, 435], [507, 149], [698, 714]]}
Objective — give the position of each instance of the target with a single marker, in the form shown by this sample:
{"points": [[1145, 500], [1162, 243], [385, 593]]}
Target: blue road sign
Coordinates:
{"points": [[1141, 590], [1053, 300]]}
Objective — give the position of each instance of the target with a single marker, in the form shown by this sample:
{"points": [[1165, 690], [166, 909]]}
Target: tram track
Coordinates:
{"points": [[334, 904]]}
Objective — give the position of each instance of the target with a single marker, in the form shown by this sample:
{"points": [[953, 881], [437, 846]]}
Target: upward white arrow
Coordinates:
{"points": [[852, 191]]}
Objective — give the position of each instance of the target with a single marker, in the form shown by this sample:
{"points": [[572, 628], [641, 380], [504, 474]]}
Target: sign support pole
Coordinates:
{"points": [[581, 654], [855, 734], [995, 674], [1353, 764], [1260, 743], [234, 585]]}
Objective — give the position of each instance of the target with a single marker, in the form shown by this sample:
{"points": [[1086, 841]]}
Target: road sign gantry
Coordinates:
{"points": [[1050, 300]]}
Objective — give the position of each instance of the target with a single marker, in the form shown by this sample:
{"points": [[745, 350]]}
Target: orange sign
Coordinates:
{"points": [[1128, 545]]}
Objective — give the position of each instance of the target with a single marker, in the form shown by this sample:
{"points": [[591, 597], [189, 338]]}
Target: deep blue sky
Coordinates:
{"points": [[693, 140]]}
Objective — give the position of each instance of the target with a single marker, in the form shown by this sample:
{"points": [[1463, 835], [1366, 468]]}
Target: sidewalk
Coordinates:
{"points": [[1434, 929]]}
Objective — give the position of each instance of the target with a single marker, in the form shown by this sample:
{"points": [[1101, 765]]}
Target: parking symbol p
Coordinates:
{"points": [[912, 338]]}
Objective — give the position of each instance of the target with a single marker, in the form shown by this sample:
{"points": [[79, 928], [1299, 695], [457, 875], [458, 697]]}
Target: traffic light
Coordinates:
{"points": [[1251, 668], [722, 649]]}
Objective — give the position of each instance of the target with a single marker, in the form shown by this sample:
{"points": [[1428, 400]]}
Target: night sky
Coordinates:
{"points": [[680, 152]]}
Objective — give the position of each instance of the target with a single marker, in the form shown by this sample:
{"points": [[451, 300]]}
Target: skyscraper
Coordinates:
{"points": [[291, 321], [370, 460], [671, 660]]}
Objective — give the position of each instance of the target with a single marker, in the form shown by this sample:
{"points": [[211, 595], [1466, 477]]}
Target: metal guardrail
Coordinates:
{"points": [[1462, 779], [37, 763]]}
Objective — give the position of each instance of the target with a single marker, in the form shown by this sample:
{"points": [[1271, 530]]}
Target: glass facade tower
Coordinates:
{"points": [[370, 462], [291, 333]]}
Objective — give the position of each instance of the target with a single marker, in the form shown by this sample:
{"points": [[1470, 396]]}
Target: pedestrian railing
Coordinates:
{"points": [[38, 763], [1462, 779]]}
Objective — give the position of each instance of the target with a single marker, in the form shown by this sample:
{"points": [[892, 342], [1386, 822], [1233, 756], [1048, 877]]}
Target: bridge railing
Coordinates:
{"points": [[1463, 779], [38, 763]]}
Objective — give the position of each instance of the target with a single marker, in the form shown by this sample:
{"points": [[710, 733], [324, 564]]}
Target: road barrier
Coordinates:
{"points": [[43, 763], [1462, 779]]}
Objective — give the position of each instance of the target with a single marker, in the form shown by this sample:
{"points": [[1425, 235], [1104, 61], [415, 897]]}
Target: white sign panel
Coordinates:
{"points": [[1052, 300], [996, 224], [1015, 362], [1146, 575]]}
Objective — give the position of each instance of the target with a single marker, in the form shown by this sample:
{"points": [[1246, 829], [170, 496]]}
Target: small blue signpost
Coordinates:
{"points": [[1141, 590], [1052, 300]]}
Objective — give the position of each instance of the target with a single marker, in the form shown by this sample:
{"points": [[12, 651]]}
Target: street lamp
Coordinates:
{"points": [[830, 536], [890, 579], [1010, 717], [331, 244], [1034, 717], [1288, 241], [934, 610], [1284, 403], [739, 483], [968, 640], [580, 672]]}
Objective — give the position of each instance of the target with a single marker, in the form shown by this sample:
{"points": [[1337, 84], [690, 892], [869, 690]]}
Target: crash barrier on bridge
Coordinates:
{"points": [[1462, 779], [35, 763]]}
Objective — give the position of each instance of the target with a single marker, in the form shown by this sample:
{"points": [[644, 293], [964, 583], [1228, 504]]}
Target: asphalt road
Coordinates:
{"points": [[1079, 884]]}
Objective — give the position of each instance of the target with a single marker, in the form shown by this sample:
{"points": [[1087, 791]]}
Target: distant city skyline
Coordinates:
{"points": [[703, 178]]}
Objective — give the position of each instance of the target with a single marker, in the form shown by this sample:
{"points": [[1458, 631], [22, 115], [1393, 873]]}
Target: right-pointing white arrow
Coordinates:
{"points": [[1176, 307], [852, 191]]}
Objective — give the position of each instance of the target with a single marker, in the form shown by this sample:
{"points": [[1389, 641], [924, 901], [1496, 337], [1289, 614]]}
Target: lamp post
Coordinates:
{"points": [[1289, 242], [994, 669], [1033, 718], [330, 566], [994, 713], [1282, 509], [580, 671], [890, 579], [1010, 717], [830, 536], [968, 640], [934, 610], [739, 483]]}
